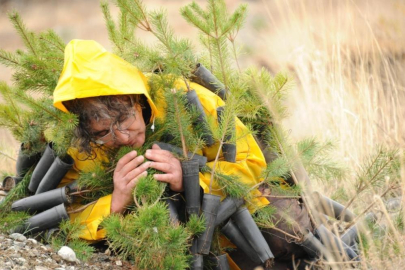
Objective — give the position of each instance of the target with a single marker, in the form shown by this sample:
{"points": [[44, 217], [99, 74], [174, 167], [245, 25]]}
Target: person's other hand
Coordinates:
{"points": [[126, 175], [167, 163]]}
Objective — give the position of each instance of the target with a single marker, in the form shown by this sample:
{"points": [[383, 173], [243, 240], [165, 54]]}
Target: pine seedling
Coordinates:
{"points": [[384, 163], [215, 24], [149, 238]]}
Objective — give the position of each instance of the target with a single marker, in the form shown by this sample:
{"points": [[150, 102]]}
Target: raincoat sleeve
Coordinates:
{"points": [[250, 161], [91, 215]]}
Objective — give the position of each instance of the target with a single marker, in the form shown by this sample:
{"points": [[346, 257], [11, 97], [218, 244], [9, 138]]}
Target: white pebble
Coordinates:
{"points": [[32, 240], [119, 263], [67, 254]]}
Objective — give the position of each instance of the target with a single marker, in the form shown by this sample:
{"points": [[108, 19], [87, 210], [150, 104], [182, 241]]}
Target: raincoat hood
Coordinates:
{"points": [[89, 70]]}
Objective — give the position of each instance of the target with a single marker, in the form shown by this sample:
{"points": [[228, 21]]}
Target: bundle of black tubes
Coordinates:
{"points": [[47, 202]]}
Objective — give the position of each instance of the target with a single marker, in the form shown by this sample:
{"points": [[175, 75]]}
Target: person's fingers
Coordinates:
{"points": [[155, 146], [158, 155], [135, 181], [167, 178], [131, 165], [137, 171], [125, 159], [161, 166]]}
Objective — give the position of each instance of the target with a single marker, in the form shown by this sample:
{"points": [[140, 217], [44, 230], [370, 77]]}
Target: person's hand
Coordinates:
{"points": [[165, 162], [126, 175]]}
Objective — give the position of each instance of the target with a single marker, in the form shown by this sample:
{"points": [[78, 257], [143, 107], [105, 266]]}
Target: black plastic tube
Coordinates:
{"points": [[209, 210], [228, 149], [9, 182], [332, 208], [191, 185], [334, 244], [43, 201], [194, 101], [24, 162], [312, 246], [198, 262], [351, 235], [45, 220], [55, 174], [173, 207], [205, 78], [251, 232], [231, 231], [42, 167], [219, 262], [226, 208]]}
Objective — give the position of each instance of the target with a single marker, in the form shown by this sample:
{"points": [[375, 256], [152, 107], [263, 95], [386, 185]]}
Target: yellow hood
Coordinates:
{"points": [[89, 70]]}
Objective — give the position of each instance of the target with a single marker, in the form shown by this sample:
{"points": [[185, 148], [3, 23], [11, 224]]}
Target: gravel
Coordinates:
{"points": [[18, 252]]}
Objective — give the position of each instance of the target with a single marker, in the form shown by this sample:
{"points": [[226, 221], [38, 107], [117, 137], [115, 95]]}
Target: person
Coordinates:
{"points": [[111, 98]]}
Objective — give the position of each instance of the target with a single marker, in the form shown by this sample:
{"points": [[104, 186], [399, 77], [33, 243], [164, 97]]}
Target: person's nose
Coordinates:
{"points": [[121, 137]]}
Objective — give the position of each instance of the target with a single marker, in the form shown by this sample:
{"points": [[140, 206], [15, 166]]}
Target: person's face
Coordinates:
{"points": [[130, 132]]}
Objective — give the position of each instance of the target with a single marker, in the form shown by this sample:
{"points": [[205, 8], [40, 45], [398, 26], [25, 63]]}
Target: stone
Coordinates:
{"points": [[18, 236], [19, 244], [119, 263], [41, 268], [67, 254], [33, 241]]}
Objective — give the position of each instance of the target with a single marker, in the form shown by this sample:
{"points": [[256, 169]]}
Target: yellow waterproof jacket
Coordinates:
{"points": [[89, 70]]}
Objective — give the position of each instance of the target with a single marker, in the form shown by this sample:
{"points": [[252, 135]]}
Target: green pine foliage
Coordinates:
{"points": [[28, 111], [148, 237], [318, 160]]}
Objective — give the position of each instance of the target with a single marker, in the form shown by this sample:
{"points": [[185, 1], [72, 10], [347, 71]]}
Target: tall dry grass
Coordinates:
{"points": [[348, 59]]}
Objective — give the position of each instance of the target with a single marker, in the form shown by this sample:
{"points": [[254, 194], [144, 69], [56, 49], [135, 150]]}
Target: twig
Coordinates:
{"points": [[81, 208], [369, 207], [7, 156]]}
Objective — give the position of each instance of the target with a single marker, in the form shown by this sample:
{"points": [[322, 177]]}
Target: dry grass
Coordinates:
{"points": [[348, 61]]}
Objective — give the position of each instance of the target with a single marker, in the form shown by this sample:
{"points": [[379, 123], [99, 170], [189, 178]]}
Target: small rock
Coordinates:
{"points": [[32, 240], [55, 257], [41, 268], [70, 268], [19, 244], [119, 263], [67, 254], [18, 236], [44, 248], [107, 252], [21, 261], [59, 268]]}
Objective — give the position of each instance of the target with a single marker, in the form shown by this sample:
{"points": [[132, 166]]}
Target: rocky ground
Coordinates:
{"points": [[19, 252]]}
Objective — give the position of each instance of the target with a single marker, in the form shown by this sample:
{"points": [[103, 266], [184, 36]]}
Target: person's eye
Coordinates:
{"points": [[101, 133]]}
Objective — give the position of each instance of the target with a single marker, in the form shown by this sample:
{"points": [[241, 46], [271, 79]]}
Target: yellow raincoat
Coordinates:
{"points": [[89, 70]]}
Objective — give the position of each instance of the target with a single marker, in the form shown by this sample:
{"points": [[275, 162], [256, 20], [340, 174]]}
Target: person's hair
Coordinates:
{"points": [[115, 108]]}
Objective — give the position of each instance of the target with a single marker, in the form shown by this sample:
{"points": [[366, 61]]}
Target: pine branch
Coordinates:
{"points": [[53, 39], [28, 37], [112, 32], [9, 59]]}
